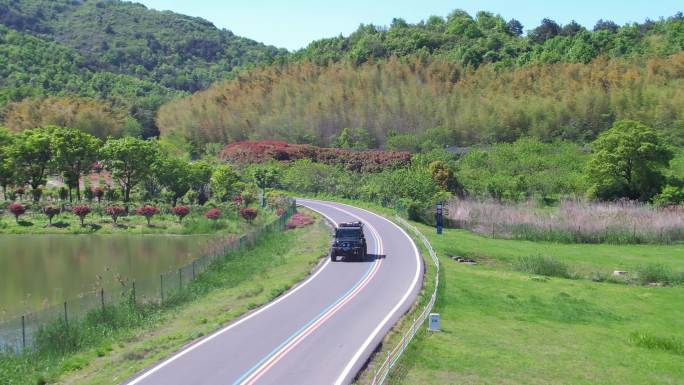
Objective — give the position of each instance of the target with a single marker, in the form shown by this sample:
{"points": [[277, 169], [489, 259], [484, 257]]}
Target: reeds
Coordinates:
{"points": [[572, 221]]}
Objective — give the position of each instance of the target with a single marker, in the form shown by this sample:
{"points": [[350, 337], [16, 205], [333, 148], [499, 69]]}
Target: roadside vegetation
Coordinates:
{"points": [[108, 346]]}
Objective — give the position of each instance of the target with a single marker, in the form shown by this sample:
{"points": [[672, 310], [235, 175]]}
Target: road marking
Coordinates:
{"points": [[357, 355], [190, 348], [266, 363]]}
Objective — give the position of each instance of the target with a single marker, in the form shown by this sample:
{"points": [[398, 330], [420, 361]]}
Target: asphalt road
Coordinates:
{"points": [[320, 332]]}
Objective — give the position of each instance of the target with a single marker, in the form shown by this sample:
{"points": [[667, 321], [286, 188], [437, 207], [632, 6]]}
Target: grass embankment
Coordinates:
{"points": [[108, 348], [502, 324], [97, 222]]}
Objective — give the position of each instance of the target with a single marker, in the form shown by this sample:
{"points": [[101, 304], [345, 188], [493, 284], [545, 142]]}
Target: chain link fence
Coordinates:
{"points": [[393, 356], [18, 334]]}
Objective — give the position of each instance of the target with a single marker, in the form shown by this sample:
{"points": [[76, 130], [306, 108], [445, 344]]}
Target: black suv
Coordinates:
{"points": [[349, 242]]}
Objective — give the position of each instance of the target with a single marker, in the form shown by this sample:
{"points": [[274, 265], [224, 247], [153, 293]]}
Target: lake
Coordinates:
{"points": [[41, 270]]}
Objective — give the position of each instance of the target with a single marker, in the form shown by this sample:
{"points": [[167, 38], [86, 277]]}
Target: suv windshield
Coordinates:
{"points": [[348, 233]]}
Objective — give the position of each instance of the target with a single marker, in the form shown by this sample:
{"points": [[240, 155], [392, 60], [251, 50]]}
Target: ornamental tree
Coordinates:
{"points": [[213, 214], [147, 211], [181, 212], [81, 211], [249, 214], [265, 176], [115, 212], [50, 212], [129, 159], [17, 209], [98, 192]]}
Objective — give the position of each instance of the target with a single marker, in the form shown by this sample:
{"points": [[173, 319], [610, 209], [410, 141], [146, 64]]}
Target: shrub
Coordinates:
{"points": [[181, 212], [147, 211], [115, 212], [213, 214], [81, 212], [249, 214], [280, 212], [50, 212], [541, 265], [299, 220], [658, 273], [17, 209]]}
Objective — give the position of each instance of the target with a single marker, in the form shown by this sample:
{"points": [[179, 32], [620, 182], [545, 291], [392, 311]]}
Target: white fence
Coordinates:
{"points": [[393, 356]]}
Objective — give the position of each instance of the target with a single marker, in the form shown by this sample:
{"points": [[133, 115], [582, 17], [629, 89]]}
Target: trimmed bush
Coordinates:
{"points": [[249, 214], [115, 212], [147, 211], [213, 214], [17, 209], [181, 212], [81, 212], [50, 212]]}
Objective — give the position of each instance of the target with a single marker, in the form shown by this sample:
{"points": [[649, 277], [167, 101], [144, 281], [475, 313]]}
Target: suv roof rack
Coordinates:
{"points": [[351, 224]]}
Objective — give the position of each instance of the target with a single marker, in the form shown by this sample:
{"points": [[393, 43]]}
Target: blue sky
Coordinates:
{"points": [[294, 23]]}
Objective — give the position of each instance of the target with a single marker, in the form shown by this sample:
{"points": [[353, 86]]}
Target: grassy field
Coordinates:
{"points": [[98, 222], [508, 327], [112, 352]]}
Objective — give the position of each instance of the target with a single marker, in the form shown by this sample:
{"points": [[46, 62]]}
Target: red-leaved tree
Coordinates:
{"points": [[213, 214], [248, 213], [17, 209], [50, 212], [181, 212], [98, 192], [147, 211], [115, 212], [81, 212]]}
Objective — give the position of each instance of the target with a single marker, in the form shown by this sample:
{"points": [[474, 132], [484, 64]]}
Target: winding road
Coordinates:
{"points": [[320, 332]]}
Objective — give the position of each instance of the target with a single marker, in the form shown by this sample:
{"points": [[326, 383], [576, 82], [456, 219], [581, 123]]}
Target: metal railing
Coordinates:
{"points": [[393, 356], [19, 333]]}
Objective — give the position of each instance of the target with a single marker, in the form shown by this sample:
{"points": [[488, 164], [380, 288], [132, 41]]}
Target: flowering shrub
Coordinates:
{"points": [[249, 214], [299, 220], [17, 209], [181, 212], [359, 161], [50, 212], [213, 214], [98, 192], [115, 212], [147, 211], [81, 212], [280, 212]]}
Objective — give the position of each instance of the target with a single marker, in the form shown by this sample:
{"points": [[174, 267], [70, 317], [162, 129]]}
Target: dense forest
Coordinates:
{"points": [[414, 103]]}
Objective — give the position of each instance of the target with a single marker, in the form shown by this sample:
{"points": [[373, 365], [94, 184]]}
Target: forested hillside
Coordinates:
{"points": [[172, 50], [412, 102]]}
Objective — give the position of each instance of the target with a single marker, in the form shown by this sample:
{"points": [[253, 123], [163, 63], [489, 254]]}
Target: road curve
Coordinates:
{"points": [[320, 332]]}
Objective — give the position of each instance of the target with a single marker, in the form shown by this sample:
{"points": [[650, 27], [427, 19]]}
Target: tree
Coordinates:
{"points": [[213, 214], [174, 175], [115, 212], [200, 177], [606, 25], [514, 27], [32, 153], [74, 154], [265, 176], [130, 160], [353, 138], [547, 30], [249, 214], [443, 175], [81, 212], [571, 29], [627, 162], [6, 162], [223, 182], [181, 212], [50, 212], [17, 209], [147, 211]]}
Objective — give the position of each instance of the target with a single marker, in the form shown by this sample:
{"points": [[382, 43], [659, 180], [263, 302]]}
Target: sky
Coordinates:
{"points": [[293, 24]]}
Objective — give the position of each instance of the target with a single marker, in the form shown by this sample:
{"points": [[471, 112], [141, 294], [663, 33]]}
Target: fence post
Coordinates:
{"points": [[23, 332], [161, 286], [66, 318], [180, 279], [134, 292], [102, 298], [193, 270]]}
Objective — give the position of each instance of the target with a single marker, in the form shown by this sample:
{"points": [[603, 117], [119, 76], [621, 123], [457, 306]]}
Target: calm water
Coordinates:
{"points": [[39, 270]]}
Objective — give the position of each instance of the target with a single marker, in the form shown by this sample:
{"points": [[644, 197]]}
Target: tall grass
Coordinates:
{"points": [[543, 265], [572, 222]]}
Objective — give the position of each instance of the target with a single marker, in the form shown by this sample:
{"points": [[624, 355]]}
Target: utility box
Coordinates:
{"points": [[433, 324]]}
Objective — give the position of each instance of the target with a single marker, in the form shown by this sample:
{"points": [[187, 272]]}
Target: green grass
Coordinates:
{"points": [[107, 348], [506, 326]]}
